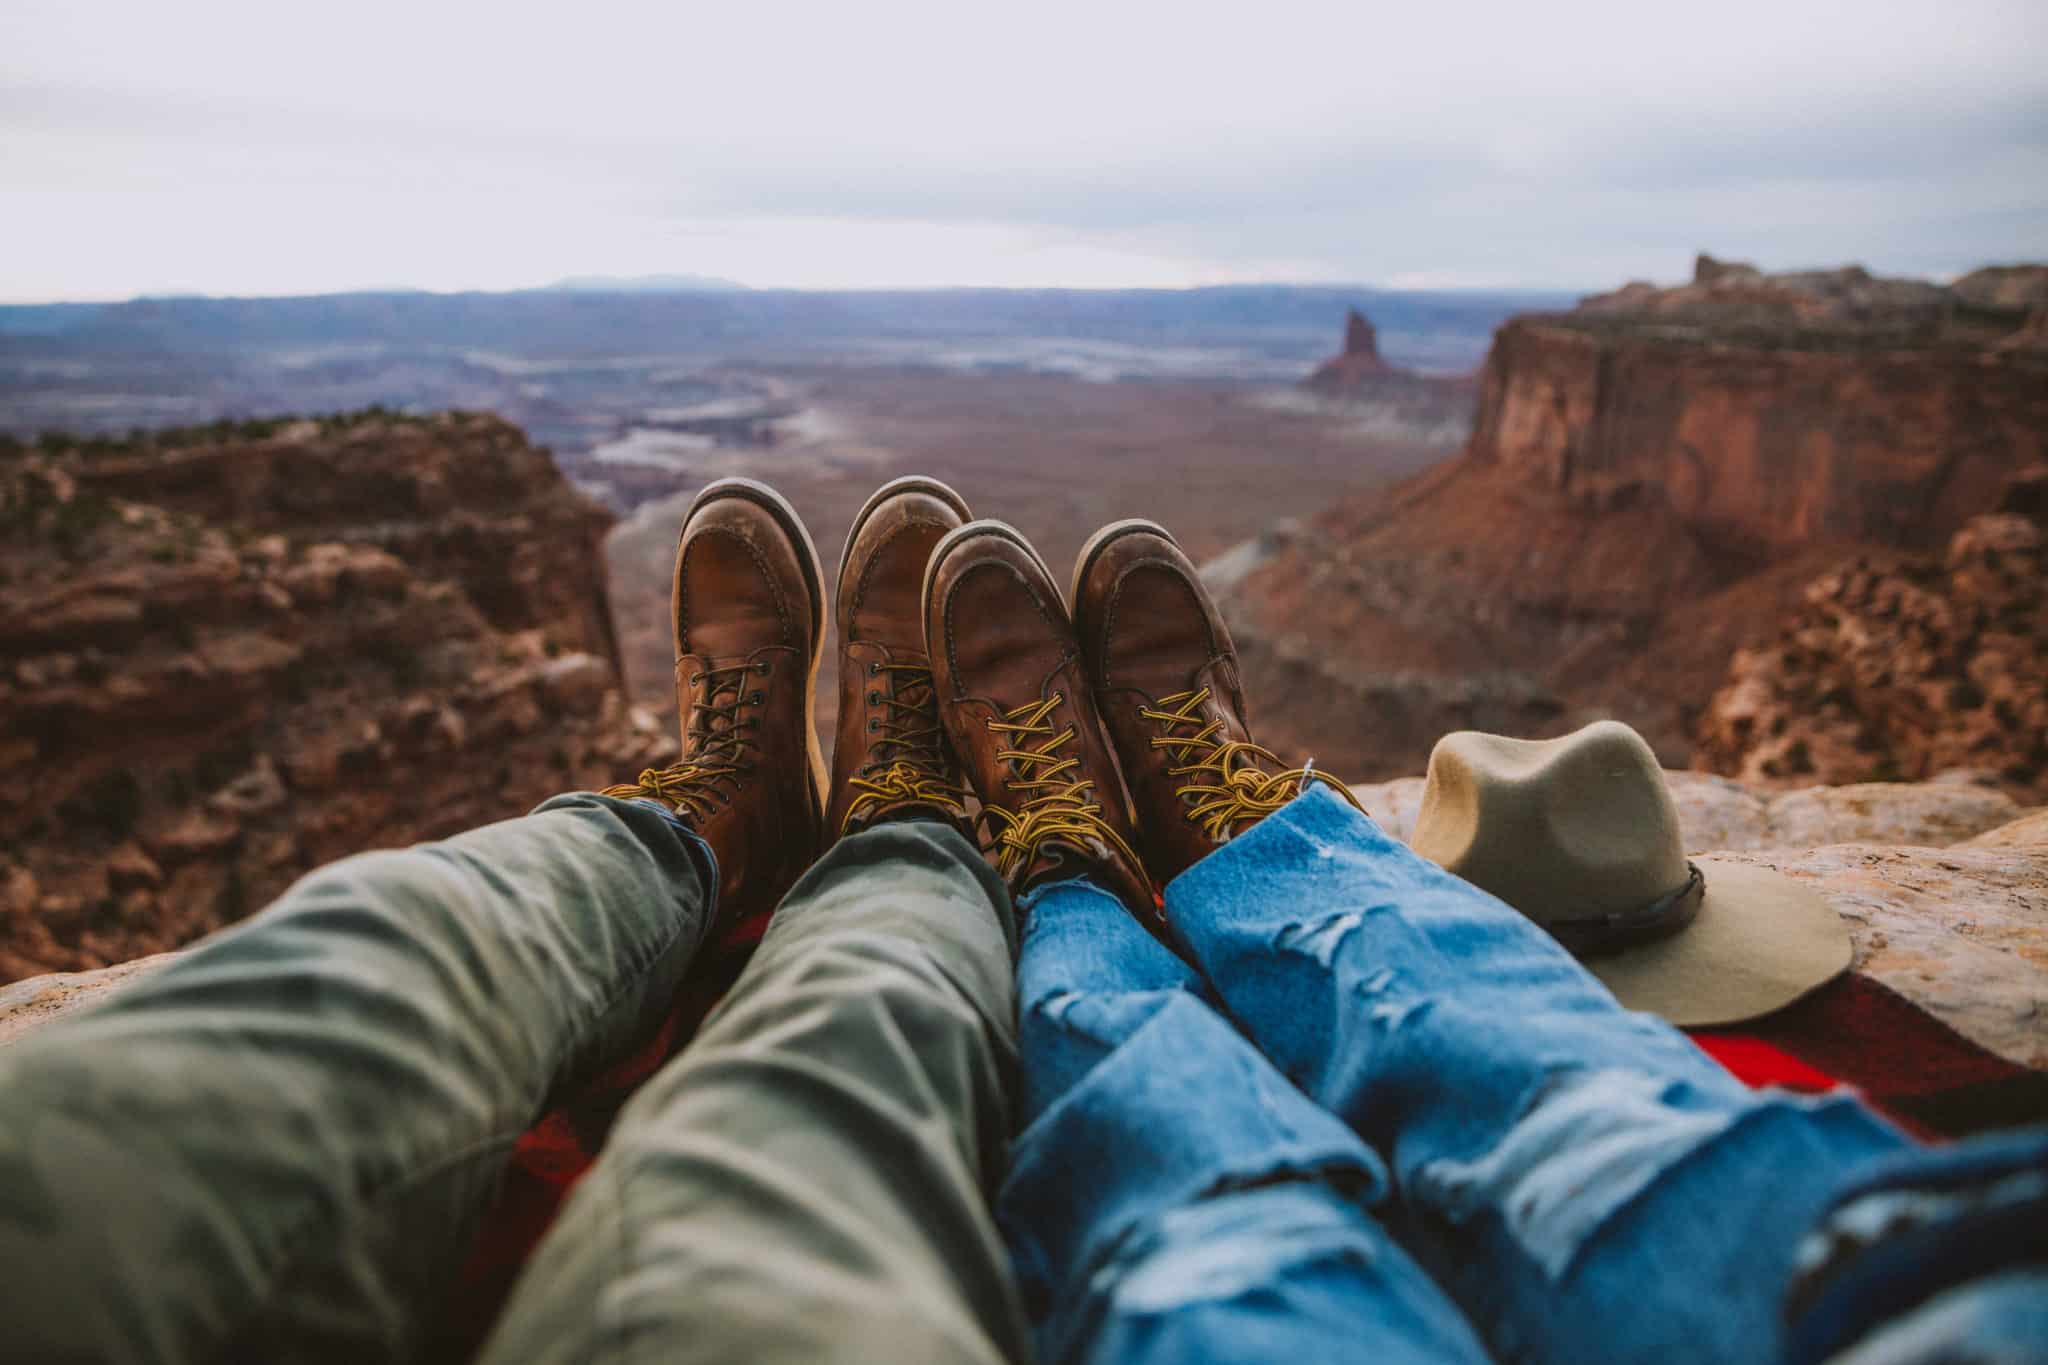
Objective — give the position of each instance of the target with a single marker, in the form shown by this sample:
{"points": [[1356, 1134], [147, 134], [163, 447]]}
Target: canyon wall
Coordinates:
{"points": [[1653, 481], [229, 655], [1770, 447]]}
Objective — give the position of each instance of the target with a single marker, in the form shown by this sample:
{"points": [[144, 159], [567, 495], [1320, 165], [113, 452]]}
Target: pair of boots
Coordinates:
{"points": [[970, 692]]}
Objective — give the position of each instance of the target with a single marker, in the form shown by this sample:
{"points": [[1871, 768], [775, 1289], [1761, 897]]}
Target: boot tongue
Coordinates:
{"points": [[915, 689], [1221, 680], [910, 689], [1064, 859], [720, 684], [907, 690], [916, 811], [1060, 860]]}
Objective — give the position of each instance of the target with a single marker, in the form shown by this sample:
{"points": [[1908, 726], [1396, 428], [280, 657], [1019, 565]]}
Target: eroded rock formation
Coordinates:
{"points": [[228, 657], [1436, 408], [1899, 667], [1359, 361], [1777, 447], [1652, 481], [1776, 411]]}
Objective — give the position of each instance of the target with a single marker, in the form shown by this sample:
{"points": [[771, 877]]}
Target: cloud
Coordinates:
{"points": [[239, 147]]}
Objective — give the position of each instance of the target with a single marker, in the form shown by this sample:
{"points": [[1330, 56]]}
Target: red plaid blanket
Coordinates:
{"points": [[1908, 1065]]}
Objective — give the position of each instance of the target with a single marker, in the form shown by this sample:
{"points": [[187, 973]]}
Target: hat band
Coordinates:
{"points": [[1597, 935]]}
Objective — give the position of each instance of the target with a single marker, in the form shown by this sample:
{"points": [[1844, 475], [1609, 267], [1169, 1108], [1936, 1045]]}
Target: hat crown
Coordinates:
{"points": [[1562, 828]]}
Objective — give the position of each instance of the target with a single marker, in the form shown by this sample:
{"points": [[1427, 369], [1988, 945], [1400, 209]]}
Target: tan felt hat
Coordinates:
{"points": [[1580, 834]]}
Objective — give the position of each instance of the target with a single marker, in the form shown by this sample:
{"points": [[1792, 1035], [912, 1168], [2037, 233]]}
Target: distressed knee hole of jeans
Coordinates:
{"points": [[1395, 1013], [1321, 938], [1234, 1244], [1105, 1018], [1588, 1144]]}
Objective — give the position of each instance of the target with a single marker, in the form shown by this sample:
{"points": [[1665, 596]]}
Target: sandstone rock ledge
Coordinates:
{"points": [[27, 1005], [1944, 888]]}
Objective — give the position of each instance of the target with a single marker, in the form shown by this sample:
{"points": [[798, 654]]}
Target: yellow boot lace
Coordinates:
{"points": [[1238, 791], [1062, 810], [716, 740], [909, 762]]}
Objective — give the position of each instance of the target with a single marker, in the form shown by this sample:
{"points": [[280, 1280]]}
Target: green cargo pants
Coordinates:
{"points": [[279, 1147]]}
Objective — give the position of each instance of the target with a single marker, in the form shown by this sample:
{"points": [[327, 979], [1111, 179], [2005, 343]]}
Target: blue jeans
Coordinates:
{"points": [[1383, 1116]]}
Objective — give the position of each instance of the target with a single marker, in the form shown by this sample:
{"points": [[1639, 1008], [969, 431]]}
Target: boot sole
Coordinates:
{"points": [[988, 526], [1099, 542], [909, 483], [754, 491]]}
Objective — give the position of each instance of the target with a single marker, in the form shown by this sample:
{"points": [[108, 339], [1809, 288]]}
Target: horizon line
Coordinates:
{"points": [[626, 287]]}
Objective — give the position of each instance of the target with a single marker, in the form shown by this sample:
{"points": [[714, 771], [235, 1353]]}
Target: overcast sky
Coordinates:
{"points": [[215, 146]]}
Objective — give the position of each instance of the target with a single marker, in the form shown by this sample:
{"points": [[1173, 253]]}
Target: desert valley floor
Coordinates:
{"points": [[1053, 455]]}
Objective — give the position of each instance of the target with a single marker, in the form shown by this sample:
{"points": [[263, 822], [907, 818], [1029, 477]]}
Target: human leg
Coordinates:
{"points": [[809, 1179], [277, 1146], [1588, 1183], [1592, 1184], [1174, 1198]]}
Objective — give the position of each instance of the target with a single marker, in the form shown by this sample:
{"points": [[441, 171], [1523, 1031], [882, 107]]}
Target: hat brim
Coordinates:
{"points": [[1759, 942]]}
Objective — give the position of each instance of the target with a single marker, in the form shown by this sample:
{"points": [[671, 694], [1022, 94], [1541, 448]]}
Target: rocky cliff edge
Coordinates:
{"points": [[231, 654]]}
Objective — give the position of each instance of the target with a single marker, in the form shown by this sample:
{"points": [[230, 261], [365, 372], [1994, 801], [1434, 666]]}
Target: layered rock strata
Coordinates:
{"points": [[226, 658], [1652, 482]]}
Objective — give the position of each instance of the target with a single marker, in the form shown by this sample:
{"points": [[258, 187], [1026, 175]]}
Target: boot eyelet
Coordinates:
{"points": [[874, 697], [764, 668], [873, 725], [874, 668]]}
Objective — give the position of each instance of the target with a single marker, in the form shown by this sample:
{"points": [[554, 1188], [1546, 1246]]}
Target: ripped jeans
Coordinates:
{"points": [[1383, 1116]]}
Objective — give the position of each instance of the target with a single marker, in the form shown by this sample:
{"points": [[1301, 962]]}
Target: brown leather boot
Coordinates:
{"points": [[1016, 706], [1165, 675], [891, 761], [749, 630]]}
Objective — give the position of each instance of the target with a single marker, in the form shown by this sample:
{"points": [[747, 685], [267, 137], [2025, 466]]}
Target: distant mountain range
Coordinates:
{"points": [[1425, 329], [577, 363], [646, 284]]}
